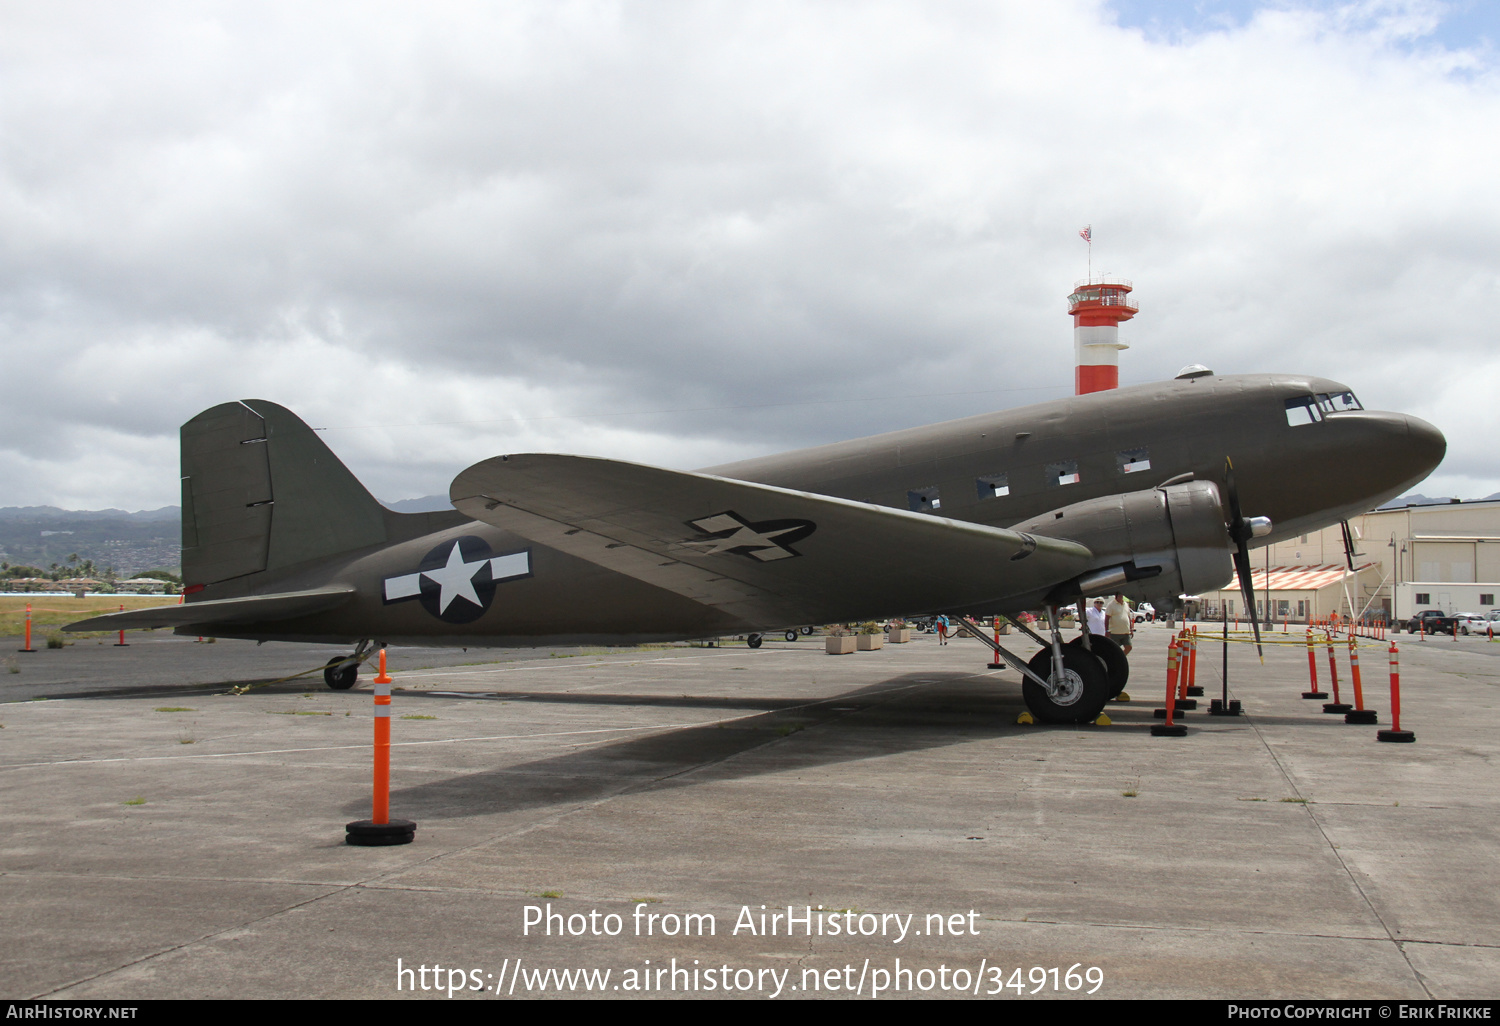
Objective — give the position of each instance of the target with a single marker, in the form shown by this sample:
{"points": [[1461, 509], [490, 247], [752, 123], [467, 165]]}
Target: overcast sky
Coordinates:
{"points": [[688, 232]]}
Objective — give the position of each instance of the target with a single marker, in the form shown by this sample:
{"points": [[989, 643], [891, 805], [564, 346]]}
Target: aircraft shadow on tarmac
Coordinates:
{"points": [[903, 714]]}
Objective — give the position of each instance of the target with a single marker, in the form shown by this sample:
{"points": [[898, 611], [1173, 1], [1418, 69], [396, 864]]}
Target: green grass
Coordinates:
{"points": [[174, 708], [298, 712], [414, 716], [1295, 801], [135, 801], [550, 894]]}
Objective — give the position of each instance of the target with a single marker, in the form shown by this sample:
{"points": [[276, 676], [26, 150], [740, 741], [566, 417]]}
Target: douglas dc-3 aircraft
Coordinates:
{"points": [[1129, 490]]}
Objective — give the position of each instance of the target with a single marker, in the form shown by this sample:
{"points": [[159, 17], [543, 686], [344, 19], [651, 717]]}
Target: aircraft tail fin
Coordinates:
{"points": [[260, 491]]}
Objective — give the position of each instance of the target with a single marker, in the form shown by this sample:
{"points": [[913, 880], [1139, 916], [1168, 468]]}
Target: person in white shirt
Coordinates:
{"points": [[1121, 622], [1098, 621]]}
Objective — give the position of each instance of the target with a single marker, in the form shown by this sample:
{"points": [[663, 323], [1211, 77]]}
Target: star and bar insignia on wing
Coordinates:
{"points": [[763, 541]]}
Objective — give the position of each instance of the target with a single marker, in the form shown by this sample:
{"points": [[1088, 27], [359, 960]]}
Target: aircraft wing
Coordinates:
{"points": [[251, 609], [770, 556]]}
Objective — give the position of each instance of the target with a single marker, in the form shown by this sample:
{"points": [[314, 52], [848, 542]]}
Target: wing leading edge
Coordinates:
{"points": [[769, 556]]}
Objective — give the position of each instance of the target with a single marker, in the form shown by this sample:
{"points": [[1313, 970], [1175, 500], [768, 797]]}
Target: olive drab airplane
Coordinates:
{"points": [[1155, 490]]}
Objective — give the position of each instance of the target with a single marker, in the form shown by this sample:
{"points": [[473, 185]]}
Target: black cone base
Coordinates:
{"points": [[995, 666], [369, 834], [1315, 695], [1161, 714], [1395, 735], [1217, 708], [1187, 703], [1361, 716], [1195, 691], [1162, 730], [1337, 707]]}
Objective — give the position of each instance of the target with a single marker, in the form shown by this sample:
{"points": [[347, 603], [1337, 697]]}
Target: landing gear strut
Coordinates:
{"points": [[341, 673]]}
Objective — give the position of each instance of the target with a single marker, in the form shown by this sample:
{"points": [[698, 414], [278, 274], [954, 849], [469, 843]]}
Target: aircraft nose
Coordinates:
{"points": [[1425, 446]]}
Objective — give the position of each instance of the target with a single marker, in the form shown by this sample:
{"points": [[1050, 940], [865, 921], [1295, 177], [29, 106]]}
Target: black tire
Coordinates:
{"points": [[807, 632], [791, 635], [1090, 687], [1112, 656], [341, 674], [753, 640]]}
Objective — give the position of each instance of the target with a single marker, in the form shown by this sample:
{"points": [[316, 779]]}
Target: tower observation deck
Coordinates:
{"points": [[1098, 305]]}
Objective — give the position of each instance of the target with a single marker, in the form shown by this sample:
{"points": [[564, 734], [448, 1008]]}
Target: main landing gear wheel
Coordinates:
{"points": [[791, 635], [1116, 665], [1078, 698], [753, 640], [807, 632], [341, 673]]}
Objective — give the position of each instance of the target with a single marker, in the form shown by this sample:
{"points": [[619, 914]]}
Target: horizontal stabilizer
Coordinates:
{"points": [[770, 556], [252, 609]]}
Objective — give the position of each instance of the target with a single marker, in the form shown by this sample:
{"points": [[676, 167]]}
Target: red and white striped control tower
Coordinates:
{"points": [[1098, 305]]}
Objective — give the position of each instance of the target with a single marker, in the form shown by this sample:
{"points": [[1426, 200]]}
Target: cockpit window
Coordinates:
{"points": [[1302, 410], [1338, 402]]}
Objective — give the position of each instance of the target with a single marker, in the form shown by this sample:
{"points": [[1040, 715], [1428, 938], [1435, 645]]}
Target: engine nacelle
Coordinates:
{"points": [[1155, 544]]}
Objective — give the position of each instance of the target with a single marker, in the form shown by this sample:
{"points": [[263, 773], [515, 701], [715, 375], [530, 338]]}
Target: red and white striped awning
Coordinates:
{"points": [[1299, 578]]}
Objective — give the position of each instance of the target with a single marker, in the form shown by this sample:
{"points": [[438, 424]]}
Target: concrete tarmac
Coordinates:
{"points": [[166, 839]]}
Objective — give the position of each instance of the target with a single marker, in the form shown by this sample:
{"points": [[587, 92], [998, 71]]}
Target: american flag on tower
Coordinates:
{"points": [[1086, 233]]}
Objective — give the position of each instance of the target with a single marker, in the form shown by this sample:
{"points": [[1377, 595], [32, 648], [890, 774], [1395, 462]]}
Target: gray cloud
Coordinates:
{"points": [[458, 230]]}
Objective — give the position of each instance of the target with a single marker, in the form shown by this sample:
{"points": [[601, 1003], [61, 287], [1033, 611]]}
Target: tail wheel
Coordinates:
{"points": [[807, 631], [1112, 657], [1078, 698], [791, 635], [340, 674]]}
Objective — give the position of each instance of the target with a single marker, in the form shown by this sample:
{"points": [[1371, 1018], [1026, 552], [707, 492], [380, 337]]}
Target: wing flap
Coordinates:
{"points": [[250, 609], [768, 555]]}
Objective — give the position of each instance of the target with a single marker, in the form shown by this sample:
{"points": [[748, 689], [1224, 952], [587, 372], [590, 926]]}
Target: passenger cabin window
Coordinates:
{"points": [[1131, 461], [992, 486], [923, 500], [1302, 410], [1064, 473]]}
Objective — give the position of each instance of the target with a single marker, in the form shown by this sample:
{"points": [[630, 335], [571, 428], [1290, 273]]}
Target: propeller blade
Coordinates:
{"points": [[1242, 568], [1240, 532], [1348, 544]]}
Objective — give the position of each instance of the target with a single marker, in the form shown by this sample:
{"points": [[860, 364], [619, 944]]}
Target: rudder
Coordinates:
{"points": [[260, 491]]}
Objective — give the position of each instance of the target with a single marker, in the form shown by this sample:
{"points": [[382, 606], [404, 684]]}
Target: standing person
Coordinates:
{"points": [[942, 626], [1097, 617], [1121, 622]]}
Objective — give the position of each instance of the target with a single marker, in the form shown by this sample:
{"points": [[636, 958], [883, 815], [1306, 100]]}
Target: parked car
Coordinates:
{"points": [[1145, 612], [1471, 623]]}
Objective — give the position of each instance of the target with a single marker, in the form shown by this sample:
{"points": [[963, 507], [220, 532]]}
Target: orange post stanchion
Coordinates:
{"points": [[27, 644], [997, 664], [1395, 733], [1192, 689], [1170, 728], [1184, 666], [380, 829], [121, 643], [1312, 670], [1359, 714], [1338, 705]]}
